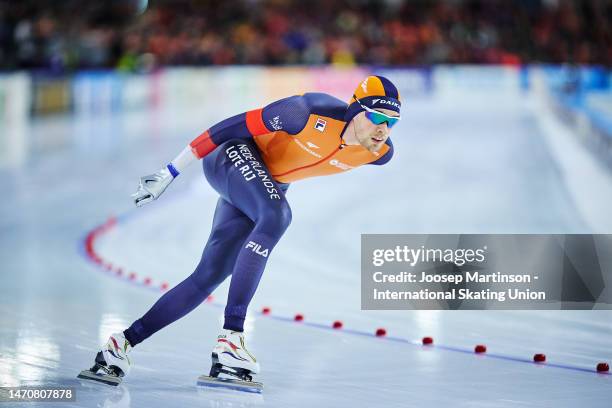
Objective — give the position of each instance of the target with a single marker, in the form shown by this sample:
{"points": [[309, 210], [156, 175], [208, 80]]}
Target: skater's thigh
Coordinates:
{"points": [[230, 229], [237, 172], [226, 214]]}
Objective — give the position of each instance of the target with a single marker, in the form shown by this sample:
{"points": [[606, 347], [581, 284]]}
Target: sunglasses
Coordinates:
{"points": [[378, 118]]}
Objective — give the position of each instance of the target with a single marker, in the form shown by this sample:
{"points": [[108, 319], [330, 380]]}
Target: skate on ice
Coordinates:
{"points": [[111, 363], [231, 359]]}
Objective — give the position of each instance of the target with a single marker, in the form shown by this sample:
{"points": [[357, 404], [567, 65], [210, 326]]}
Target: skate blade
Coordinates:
{"points": [[103, 378], [230, 384]]}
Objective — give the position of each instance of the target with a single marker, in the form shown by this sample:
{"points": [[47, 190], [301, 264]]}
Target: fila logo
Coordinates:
{"points": [[320, 125], [340, 165], [312, 145], [255, 247], [385, 102]]}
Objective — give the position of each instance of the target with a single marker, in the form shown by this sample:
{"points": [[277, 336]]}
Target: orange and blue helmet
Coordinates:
{"points": [[374, 92]]}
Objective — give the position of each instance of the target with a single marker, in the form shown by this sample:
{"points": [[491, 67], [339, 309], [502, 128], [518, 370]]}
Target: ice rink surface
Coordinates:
{"points": [[463, 164]]}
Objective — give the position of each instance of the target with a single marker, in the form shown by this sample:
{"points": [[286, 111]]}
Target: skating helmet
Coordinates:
{"points": [[375, 92]]}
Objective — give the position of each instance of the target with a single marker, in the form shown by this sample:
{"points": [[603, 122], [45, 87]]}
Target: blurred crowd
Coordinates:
{"points": [[138, 35]]}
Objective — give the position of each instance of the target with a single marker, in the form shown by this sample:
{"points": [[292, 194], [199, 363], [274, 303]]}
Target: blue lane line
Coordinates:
{"points": [[432, 346], [133, 214]]}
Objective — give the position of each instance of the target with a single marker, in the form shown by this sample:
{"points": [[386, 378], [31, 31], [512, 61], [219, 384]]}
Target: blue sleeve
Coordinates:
{"points": [[234, 127], [289, 114], [384, 159]]}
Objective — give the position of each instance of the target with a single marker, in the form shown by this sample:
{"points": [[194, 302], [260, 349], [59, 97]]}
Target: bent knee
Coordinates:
{"points": [[275, 220]]}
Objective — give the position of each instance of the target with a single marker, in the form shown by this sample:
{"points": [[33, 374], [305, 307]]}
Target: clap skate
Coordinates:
{"points": [[231, 358], [112, 362]]}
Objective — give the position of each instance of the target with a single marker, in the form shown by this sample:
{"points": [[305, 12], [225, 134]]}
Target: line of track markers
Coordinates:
{"points": [[87, 247]]}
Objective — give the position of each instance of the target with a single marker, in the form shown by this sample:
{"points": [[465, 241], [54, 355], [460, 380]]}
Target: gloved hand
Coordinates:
{"points": [[152, 186]]}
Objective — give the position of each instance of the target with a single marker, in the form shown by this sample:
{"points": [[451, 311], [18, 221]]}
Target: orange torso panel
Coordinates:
{"points": [[315, 151]]}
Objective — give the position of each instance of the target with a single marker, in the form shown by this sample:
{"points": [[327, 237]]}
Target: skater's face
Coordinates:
{"points": [[370, 135]]}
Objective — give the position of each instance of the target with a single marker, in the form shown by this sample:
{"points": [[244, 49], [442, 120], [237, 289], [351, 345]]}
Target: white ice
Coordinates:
{"points": [[467, 164]]}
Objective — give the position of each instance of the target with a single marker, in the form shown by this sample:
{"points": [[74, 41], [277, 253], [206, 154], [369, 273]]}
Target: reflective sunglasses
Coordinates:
{"points": [[379, 118]]}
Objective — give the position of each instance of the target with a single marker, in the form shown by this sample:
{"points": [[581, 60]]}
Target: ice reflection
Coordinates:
{"points": [[230, 399], [33, 359], [109, 324], [118, 398], [109, 397], [427, 321], [7, 364]]}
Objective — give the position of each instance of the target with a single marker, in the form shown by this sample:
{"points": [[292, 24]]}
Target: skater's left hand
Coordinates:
{"points": [[152, 186]]}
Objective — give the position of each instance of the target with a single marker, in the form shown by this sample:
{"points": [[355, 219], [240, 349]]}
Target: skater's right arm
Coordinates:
{"points": [[289, 115]]}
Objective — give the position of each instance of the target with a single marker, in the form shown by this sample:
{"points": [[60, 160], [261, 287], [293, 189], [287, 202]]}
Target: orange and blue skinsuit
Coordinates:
{"points": [[250, 159], [297, 137]]}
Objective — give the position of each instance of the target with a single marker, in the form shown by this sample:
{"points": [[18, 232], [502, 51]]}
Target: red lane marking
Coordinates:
{"points": [[427, 340], [539, 358], [90, 251]]}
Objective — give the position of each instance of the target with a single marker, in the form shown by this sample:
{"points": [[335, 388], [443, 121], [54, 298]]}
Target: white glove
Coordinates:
{"points": [[152, 186]]}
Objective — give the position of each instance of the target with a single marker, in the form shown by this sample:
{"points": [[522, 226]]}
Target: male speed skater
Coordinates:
{"points": [[250, 159]]}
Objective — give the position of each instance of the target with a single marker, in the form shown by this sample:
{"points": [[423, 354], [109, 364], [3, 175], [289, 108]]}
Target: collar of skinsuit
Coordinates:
{"points": [[375, 92]]}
